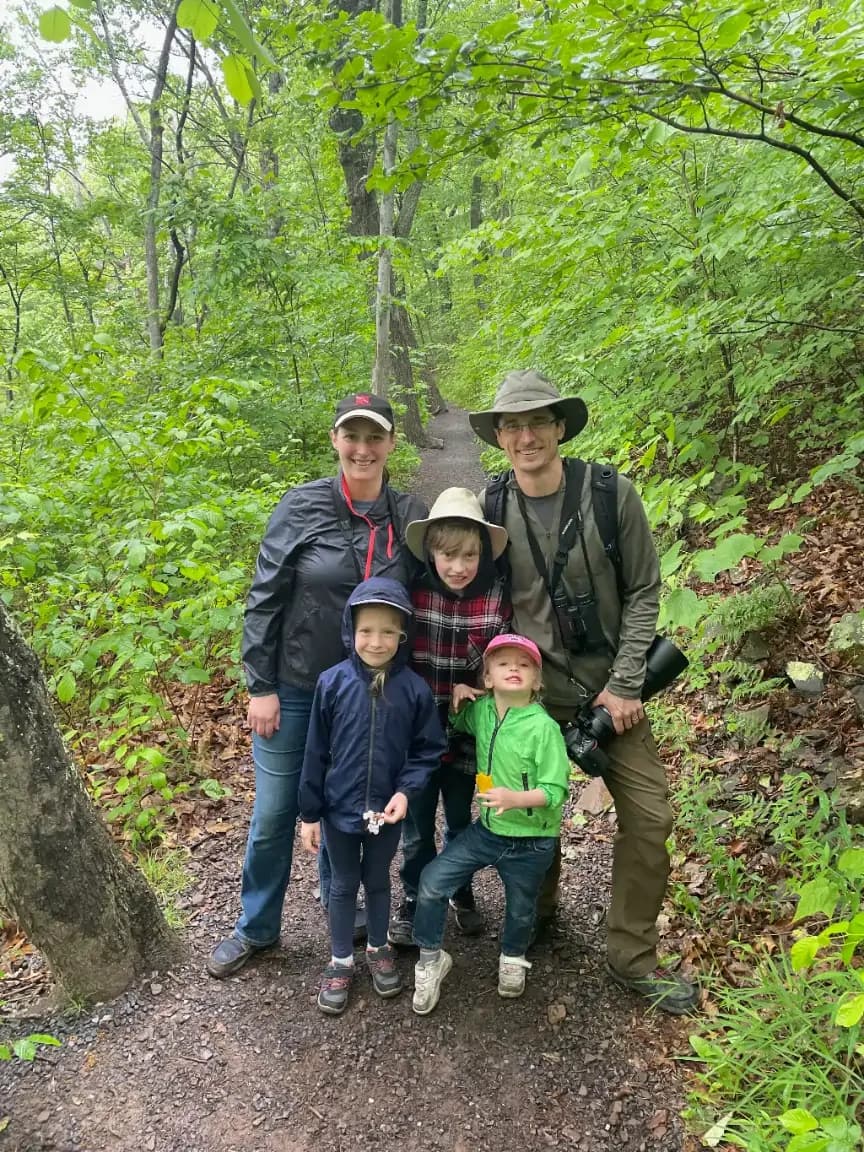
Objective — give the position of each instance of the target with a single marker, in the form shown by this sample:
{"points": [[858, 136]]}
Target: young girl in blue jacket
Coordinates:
{"points": [[374, 739]]}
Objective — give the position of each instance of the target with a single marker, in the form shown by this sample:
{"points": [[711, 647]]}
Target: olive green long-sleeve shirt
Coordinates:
{"points": [[629, 627]]}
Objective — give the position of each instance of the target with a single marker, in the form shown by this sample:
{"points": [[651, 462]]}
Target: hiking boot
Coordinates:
{"points": [[230, 955], [427, 982], [469, 921], [511, 976], [382, 968], [335, 986], [662, 988], [401, 930]]}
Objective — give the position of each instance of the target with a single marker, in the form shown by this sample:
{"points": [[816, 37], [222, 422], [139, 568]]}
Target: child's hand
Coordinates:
{"points": [[463, 692], [396, 810], [499, 799], [310, 836]]}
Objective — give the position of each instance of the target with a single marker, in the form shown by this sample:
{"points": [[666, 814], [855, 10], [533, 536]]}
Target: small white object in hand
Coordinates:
{"points": [[373, 822]]}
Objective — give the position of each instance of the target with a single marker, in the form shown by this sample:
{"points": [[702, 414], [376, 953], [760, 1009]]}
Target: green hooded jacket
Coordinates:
{"points": [[523, 751]]}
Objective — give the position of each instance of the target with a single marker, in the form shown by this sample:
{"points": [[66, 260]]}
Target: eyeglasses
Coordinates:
{"points": [[514, 426]]}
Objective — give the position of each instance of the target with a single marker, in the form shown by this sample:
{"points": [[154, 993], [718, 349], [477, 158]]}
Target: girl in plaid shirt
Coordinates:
{"points": [[460, 603]]}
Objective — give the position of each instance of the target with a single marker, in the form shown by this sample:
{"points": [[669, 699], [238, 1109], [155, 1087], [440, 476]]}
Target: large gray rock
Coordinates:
{"points": [[808, 679]]}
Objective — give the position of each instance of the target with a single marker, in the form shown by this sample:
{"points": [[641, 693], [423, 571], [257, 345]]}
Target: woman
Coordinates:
{"points": [[323, 539]]}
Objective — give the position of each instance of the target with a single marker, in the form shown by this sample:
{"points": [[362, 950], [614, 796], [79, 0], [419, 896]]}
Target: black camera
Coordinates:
{"points": [[587, 735]]}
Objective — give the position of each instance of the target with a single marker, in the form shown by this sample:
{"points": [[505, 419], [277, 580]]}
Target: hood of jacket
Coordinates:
{"points": [[379, 590]]}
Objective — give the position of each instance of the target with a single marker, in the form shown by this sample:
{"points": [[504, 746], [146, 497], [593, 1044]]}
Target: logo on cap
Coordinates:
{"points": [[362, 400]]}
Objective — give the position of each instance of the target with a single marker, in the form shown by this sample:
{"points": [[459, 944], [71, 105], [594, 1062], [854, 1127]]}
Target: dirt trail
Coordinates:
{"points": [[187, 1064]]}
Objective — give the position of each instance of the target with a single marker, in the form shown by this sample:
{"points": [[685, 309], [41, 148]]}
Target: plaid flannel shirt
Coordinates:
{"points": [[450, 637]]}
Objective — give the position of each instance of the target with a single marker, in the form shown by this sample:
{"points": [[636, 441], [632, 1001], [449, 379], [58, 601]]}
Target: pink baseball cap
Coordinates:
{"points": [[511, 640]]}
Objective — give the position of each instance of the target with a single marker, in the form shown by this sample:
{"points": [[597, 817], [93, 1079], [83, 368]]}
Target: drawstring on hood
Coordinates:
{"points": [[373, 529]]}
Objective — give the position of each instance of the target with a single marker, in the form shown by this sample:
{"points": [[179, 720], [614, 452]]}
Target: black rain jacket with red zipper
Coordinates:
{"points": [[315, 551]]}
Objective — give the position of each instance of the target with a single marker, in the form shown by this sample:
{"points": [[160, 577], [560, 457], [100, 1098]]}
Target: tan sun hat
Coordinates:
{"points": [[524, 392], [454, 504]]}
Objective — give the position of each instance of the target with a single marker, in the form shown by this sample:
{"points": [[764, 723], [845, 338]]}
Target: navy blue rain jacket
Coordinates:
{"points": [[362, 747]]}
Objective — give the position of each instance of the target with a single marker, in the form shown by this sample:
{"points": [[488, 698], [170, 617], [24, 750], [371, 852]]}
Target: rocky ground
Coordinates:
{"points": [[184, 1063]]}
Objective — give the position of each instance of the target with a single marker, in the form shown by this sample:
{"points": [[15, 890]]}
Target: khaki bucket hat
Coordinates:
{"points": [[454, 504], [523, 392]]}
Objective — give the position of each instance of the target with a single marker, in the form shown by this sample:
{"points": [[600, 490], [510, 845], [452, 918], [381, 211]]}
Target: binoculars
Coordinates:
{"points": [[592, 730]]}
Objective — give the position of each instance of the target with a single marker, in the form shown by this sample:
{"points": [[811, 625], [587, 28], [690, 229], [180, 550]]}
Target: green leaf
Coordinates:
{"points": [[849, 1011], [817, 896], [804, 952], [66, 688], [55, 25], [799, 1120], [729, 30], [199, 16], [778, 501], [682, 608], [44, 1039], [235, 71], [244, 34], [728, 554], [122, 785], [808, 1142], [851, 863]]}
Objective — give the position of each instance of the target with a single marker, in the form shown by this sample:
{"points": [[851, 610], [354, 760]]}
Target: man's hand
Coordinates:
{"points": [[625, 713], [463, 692], [396, 810], [500, 799], [310, 836], [262, 715]]}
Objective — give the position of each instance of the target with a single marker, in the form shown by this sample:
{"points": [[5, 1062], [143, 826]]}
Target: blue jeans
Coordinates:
{"points": [[355, 857], [418, 834], [270, 846], [520, 861]]}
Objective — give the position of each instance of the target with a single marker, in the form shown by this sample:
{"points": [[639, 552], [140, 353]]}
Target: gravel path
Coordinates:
{"points": [[184, 1063]]}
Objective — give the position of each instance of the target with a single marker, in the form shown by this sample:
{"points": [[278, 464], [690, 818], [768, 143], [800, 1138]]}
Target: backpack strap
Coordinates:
{"points": [[604, 497], [494, 499]]}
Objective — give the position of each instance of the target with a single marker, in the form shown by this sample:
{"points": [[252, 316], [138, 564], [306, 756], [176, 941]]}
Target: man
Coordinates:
{"points": [[604, 661]]}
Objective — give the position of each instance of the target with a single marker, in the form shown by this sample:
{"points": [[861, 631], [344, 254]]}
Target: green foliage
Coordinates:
{"points": [[166, 873], [26, 1047]]}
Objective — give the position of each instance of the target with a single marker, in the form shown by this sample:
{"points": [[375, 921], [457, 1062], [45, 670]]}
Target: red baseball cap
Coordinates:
{"points": [[511, 640]]}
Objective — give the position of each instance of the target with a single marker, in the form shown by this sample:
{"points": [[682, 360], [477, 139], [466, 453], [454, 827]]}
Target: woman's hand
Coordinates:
{"points": [[463, 692], [262, 715], [396, 810], [310, 836]]}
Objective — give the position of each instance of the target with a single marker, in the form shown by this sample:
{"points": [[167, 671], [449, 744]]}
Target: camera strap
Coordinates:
{"points": [[569, 527]]}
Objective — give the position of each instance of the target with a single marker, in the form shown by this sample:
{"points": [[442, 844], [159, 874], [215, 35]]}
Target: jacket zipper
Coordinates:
{"points": [[492, 738], [370, 753], [525, 788]]}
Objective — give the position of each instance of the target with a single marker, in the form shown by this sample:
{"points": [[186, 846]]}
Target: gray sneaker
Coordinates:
{"points": [[382, 968], [401, 930], [230, 955], [335, 986], [662, 988]]}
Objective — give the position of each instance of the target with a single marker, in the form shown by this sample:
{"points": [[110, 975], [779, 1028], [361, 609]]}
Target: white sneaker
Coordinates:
{"points": [[427, 982], [511, 975]]}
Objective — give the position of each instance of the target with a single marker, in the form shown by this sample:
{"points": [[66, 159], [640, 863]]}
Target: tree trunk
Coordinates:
{"points": [[383, 306], [61, 875]]}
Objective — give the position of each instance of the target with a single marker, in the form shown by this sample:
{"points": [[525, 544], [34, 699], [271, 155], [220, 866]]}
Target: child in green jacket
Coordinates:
{"points": [[522, 775]]}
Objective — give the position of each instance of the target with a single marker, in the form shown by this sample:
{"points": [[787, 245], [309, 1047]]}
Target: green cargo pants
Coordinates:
{"points": [[640, 861]]}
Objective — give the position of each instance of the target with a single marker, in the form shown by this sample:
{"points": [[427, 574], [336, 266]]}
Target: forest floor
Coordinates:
{"points": [[184, 1063]]}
